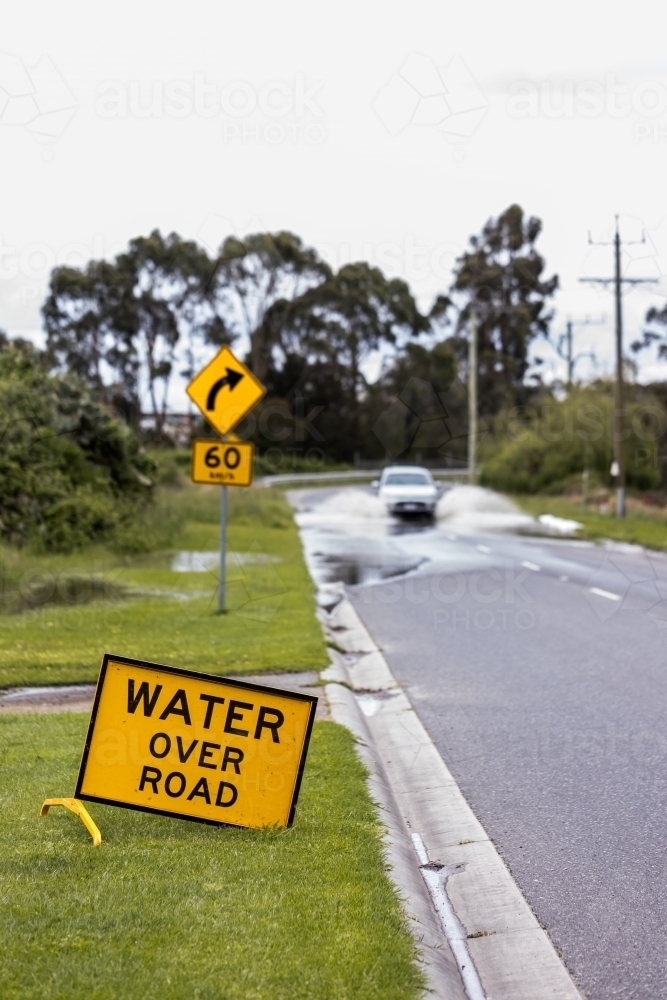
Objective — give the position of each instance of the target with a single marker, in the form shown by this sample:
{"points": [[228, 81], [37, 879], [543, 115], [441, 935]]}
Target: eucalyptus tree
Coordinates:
{"points": [[500, 279], [119, 324], [324, 336], [249, 276]]}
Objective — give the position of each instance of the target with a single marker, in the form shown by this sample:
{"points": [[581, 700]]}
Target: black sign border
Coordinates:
{"points": [[215, 678]]}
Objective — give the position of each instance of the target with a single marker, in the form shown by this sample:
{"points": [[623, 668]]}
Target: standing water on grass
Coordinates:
{"points": [[204, 562]]}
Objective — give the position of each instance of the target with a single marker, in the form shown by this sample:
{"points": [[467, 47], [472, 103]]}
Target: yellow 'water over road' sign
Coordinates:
{"points": [[223, 463], [225, 390], [195, 746]]}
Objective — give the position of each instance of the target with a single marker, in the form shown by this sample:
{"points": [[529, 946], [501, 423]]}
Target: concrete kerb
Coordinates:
{"points": [[439, 966], [416, 794]]}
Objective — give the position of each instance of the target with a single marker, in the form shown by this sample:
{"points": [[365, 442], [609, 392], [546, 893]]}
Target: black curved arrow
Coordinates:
{"points": [[231, 379]]}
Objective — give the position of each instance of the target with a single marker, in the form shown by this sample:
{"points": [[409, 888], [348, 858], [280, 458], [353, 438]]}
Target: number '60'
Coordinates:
{"points": [[230, 456]]}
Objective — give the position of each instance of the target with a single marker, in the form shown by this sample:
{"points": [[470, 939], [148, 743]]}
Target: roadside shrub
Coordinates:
{"points": [[80, 517], [172, 466], [541, 449], [70, 472]]}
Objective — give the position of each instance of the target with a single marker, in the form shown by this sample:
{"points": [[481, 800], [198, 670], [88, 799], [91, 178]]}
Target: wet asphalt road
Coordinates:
{"points": [[539, 668]]}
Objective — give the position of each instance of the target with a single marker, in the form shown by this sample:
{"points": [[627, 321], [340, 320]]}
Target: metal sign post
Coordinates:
{"points": [[223, 549], [224, 390]]}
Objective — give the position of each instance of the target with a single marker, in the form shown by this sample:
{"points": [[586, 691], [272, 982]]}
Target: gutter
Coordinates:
{"points": [[476, 932]]}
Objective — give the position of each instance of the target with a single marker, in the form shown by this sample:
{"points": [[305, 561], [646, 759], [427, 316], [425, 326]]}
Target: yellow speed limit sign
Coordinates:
{"points": [[195, 746], [224, 463]]}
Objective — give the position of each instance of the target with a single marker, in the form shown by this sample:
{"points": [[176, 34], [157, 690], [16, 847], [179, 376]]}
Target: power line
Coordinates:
{"points": [[570, 358], [618, 282]]}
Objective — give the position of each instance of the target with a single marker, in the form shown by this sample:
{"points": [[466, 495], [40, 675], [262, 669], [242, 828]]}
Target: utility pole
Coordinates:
{"points": [[569, 357], [472, 399], [570, 362], [618, 281]]}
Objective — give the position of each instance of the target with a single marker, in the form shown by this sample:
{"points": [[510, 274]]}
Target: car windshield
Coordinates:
{"points": [[407, 479]]}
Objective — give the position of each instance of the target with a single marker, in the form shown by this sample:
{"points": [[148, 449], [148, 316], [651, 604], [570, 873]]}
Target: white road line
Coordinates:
{"points": [[483, 548], [605, 593], [529, 565], [563, 579]]}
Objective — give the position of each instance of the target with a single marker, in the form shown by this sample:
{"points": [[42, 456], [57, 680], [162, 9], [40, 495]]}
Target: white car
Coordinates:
{"points": [[407, 489]]}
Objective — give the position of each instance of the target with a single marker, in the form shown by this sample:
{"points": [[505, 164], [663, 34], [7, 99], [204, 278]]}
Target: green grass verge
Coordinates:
{"points": [[173, 910], [642, 525], [167, 616]]}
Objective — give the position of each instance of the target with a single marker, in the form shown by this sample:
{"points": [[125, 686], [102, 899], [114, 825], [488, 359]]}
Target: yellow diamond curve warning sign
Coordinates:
{"points": [[195, 746], [225, 390], [223, 463]]}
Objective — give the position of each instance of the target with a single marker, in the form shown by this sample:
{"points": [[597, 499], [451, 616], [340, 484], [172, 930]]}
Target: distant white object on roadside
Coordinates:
{"points": [[206, 562], [560, 524], [195, 562]]}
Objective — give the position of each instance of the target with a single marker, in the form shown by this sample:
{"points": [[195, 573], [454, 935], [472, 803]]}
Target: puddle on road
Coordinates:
{"points": [[351, 568], [350, 538]]}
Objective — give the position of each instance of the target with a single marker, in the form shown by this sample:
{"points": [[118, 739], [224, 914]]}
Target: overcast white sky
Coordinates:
{"points": [[377, 131]]}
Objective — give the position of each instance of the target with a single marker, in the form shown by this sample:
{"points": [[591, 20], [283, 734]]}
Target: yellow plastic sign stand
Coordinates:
{"points": [[195, 746], [225, 390], [222, 463], [79, 810]]}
